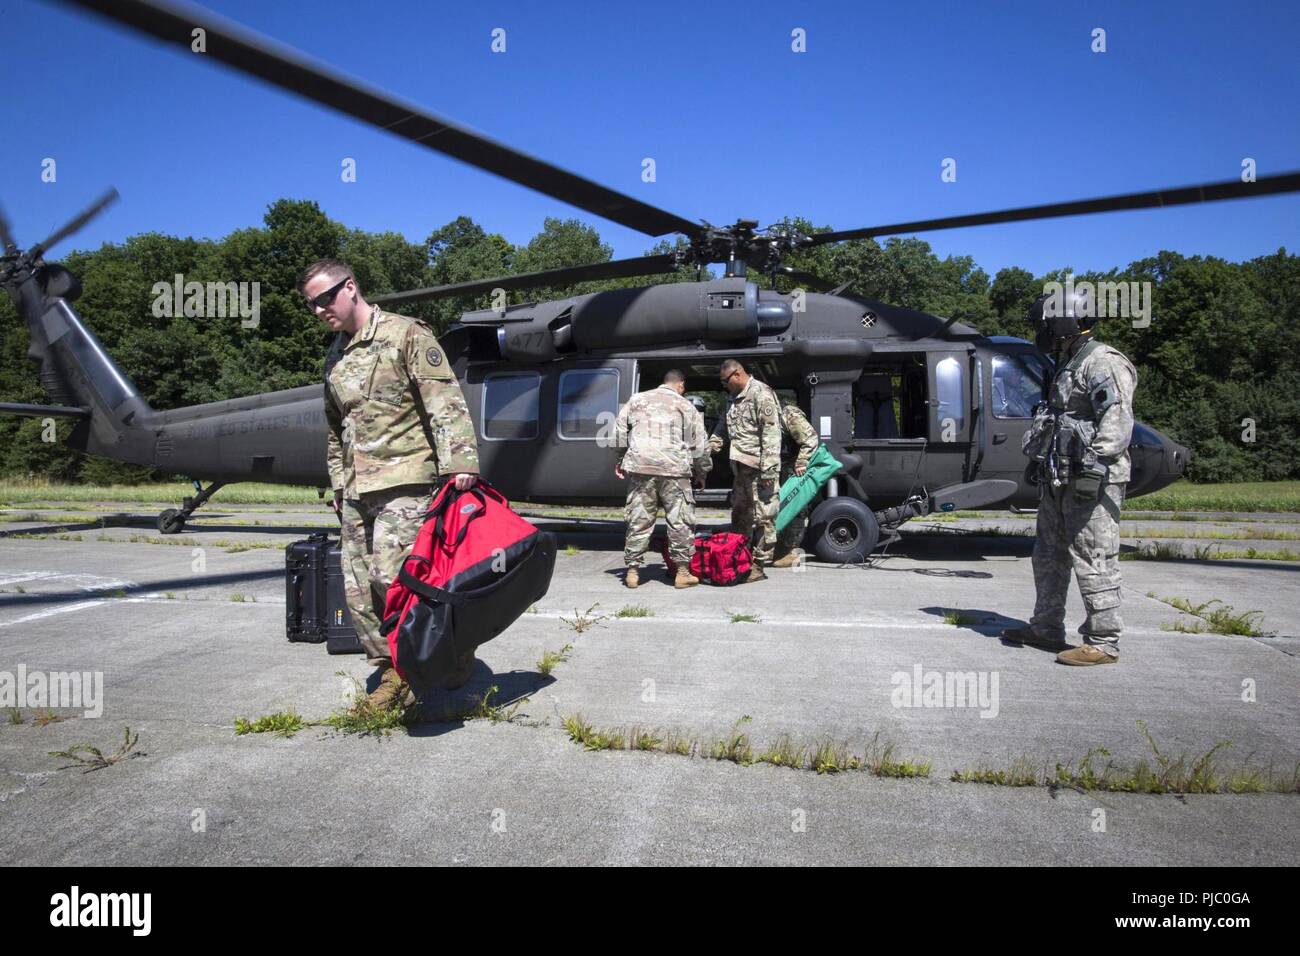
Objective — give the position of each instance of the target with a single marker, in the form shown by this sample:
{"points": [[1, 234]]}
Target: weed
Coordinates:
{"points": [[364, 718], [584, 620], [44, 717], [482, 709], [829, 757], [735, 747], [551, 658], [784, 753], [1214, 620], [635, 610], [1021, 773], [880, 761], [284, 723], [94, 758], [645, 739]]}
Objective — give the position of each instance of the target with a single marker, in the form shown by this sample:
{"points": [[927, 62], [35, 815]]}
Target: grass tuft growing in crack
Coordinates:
{"points": [[584, 620], [283, 723], [1213, 620], [91, 758], [551, 658]]}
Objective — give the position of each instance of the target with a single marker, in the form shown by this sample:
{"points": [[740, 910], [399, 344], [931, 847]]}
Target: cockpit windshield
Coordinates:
{"points": [[1017, 384]]}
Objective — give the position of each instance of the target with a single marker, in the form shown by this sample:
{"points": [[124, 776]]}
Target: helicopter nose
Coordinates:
{"points": [[1158, 461]]}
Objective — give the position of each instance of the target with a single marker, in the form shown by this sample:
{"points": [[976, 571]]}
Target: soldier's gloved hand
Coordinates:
{"points": [[465, 481], [715, 444], [337, 503], [800, 468]]}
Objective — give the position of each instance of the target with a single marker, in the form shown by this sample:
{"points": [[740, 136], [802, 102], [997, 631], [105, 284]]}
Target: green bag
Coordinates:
{"points": [[799, 490]]}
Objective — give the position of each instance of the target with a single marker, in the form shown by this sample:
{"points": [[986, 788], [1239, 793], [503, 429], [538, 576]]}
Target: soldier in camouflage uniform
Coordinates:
{"points": [[753, 424], [664, 444], [798, 444], [1080, 441], [398, 428]]}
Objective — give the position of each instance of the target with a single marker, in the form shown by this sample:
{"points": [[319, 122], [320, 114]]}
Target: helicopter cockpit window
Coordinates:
{"points": [[1017, 387], [950, 392], [510, 406], [588, 400]]}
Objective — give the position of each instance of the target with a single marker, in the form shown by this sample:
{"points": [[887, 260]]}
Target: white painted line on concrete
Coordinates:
{"points": [[22, 576], [51, 612]]}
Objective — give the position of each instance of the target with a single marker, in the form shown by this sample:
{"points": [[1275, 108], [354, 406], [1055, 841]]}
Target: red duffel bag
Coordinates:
{"points": [[475, 567], [723, 558]]}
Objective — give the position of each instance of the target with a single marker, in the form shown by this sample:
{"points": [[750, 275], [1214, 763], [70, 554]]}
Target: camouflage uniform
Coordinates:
{"points": [[798, 444], [1082, 532], [664, 444], [389, 451], [753, 423]]}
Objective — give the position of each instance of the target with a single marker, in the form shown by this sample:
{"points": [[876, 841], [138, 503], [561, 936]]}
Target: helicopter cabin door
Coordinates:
{"points": [[953, 405]]}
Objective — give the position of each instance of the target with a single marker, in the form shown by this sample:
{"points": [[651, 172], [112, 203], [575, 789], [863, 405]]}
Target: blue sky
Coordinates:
{"points": [[848, 134]]}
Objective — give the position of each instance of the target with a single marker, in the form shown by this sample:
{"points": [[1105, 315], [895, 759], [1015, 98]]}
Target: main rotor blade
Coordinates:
{"points": [[281, 66], [1210, 192], [803, 278], [554, 278], [91, 211], [8, 246]]}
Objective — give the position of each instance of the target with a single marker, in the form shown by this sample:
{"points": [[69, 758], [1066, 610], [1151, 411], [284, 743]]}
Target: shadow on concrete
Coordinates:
{"points": [[164, 584], [986, 624], [442, 711]]}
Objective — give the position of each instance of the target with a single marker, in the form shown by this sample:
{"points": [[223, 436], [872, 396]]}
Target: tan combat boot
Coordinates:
{"points": [[756, 573], [685, 579], [391, 692], [632, 578], [1085, 656], [789, 560]]}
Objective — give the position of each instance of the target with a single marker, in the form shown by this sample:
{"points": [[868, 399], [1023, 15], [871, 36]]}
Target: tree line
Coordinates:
{"points": [[1218, 365]]}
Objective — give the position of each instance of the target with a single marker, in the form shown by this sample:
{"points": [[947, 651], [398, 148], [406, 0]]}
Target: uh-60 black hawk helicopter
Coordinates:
{"points": [[903, 399]]}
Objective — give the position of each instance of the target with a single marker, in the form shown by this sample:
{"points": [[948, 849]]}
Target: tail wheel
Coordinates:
{"points": [[171, 521], [843, 530]]}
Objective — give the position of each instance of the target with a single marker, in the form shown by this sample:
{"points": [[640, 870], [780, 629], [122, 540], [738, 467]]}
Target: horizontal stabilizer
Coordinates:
{"points": [[43, 411]]}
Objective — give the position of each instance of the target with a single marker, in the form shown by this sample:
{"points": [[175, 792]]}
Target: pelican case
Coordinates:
{"points": [[315, 607]]}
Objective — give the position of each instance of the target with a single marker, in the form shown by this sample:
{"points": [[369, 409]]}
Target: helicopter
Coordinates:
{"points": [[924, 414]]}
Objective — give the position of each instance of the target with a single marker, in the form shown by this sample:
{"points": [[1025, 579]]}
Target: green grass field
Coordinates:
{"points": [[166, 494], [1247, 496], [1181, 496]]}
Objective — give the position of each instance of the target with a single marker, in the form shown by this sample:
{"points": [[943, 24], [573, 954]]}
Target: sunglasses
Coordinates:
{"points": [[727, 378], [326, 298]]}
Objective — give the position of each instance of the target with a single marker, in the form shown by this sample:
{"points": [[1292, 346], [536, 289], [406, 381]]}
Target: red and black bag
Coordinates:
{"points": [[723, 558], [475, 567]]}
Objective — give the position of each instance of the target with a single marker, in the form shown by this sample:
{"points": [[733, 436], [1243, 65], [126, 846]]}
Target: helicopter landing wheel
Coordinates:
{"points": [[171, 521], [843, 531]]}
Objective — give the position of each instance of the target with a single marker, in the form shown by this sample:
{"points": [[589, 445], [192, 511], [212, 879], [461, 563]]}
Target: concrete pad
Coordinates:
{"points": [[827, 659]]}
